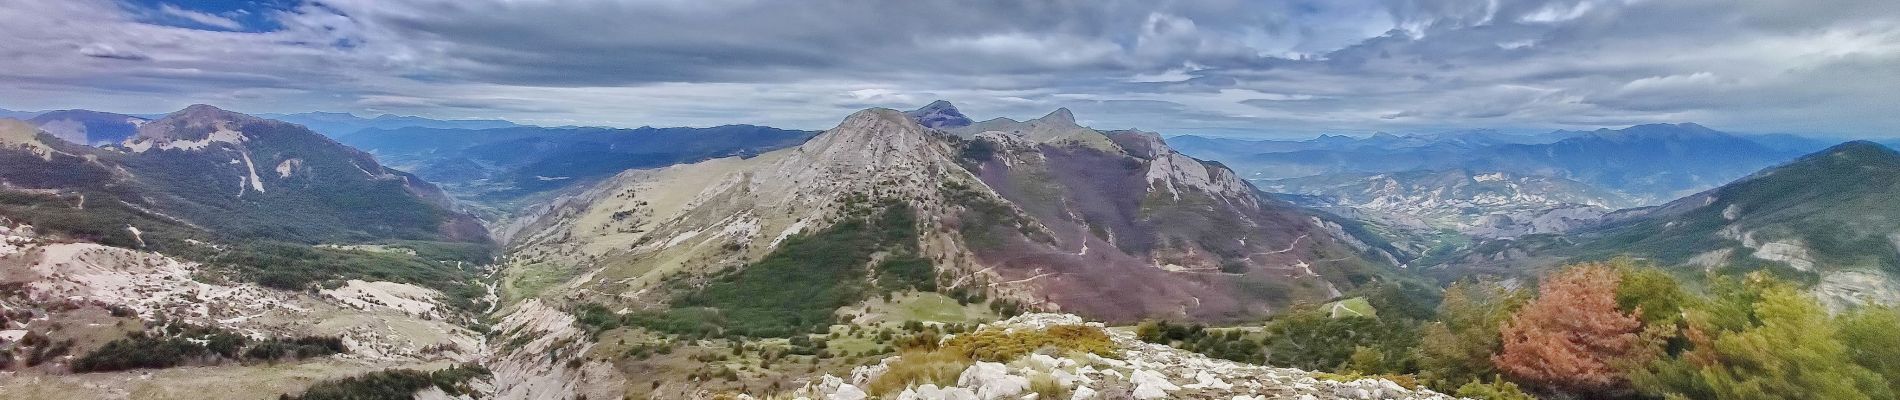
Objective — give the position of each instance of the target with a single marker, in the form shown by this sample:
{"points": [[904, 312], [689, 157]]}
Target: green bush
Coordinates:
{"points": [[394, 384], [1231, 345], [298, 348], [141, 352], [1308, 338], [172, 344]]}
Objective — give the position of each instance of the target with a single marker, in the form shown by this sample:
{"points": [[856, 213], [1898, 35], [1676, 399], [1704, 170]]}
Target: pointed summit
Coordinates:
{"points": [[1060, 115], [866, 134], [939, 115]]}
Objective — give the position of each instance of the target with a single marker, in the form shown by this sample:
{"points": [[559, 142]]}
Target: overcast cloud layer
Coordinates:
{"points": [[1224, 67]]}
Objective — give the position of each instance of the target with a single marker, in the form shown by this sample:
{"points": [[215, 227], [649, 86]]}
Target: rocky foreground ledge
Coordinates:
{"points": [[1137, 370]]}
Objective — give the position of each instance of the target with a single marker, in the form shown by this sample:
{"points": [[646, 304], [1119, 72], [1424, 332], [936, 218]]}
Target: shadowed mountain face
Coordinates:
{"points": [[939, 115], [88, 127], [210, 173], [1135, 228], [1115, 226]]}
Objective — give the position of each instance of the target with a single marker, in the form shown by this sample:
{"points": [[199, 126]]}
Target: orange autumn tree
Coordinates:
{"points": [[1572, 338]]}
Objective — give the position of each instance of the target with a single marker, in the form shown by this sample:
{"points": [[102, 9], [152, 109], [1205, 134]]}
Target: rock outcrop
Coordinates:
{"points": [[1141, 371]]}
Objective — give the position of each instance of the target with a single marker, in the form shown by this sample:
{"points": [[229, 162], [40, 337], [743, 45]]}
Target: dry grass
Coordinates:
{"points": [[999, 346], [1046, 387], [918, 367]]}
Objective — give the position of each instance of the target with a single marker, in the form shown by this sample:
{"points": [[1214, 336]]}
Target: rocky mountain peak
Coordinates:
{"points": [[873, 122], [1139, 143], [1059, 116], [939, 115], [866, 148]]}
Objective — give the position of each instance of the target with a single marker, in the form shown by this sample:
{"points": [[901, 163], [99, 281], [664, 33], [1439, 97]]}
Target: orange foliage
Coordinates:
{"points": [[1572, 338]]}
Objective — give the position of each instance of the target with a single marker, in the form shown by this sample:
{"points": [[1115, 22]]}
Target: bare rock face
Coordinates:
{"points": [[1140, 371]]}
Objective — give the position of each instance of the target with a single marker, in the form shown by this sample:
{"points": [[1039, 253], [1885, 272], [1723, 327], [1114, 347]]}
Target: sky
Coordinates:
{"points": [[1245, 68]]}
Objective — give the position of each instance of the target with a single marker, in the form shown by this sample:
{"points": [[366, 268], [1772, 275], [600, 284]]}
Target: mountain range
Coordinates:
{"points": [[1217, 148], [336, 124], [205, 175], [1827, 216], [1480, 204], [228, 244], [1041, 212], [500, 165], [1650, 163]]}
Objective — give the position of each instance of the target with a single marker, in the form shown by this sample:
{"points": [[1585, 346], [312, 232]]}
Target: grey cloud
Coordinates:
{"points": [[102, 50], [1273, 67]]}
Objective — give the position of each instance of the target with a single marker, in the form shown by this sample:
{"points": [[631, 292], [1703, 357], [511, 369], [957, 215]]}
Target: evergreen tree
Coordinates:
{"points": [[1782, 347], [1457, 349]]}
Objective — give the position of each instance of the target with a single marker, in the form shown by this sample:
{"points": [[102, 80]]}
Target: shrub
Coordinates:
{"points": [[1231, 345], [1495, 390], [1309, 338], [394, 384], [140, 352], [175, 343], [298, 348]]}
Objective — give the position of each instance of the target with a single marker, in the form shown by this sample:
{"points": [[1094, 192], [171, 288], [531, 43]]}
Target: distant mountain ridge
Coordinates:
{"points": [[335, 124], [1650, 163], [505, 164], [5, 113], [1217, 148], [1484, 204], [1829, 216]]}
